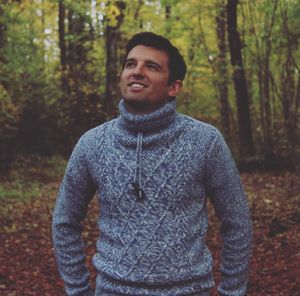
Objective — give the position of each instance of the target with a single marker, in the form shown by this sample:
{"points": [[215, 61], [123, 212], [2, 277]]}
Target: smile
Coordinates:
{"points": [[136, 85]]}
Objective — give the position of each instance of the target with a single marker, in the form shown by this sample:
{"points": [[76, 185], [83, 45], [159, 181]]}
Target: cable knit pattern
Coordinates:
{"points": [[153, 174]]}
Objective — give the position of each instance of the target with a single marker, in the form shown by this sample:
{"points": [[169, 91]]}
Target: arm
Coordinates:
{"points": [[73, 198], [227, 195]]}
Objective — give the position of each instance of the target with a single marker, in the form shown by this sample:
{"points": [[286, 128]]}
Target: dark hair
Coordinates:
{"points": [[177, 66]]}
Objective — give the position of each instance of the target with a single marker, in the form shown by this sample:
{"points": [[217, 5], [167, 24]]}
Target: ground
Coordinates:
{"points": [[27, 264]]}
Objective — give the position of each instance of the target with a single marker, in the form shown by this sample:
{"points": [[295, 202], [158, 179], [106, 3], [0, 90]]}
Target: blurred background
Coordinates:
{"points": [[60, 63]]}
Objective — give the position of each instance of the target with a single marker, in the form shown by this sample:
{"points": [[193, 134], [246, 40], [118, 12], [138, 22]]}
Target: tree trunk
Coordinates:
{"points": [[167, 19], [2, 30], [62, 46], [222, 72], [137, 13], [245, 132], [290, 99], [78, 48], [75, 75], [112, 37], [61, 30], [3, 60], [70, 44], [290, 87], [168, 12], [268, 140]]}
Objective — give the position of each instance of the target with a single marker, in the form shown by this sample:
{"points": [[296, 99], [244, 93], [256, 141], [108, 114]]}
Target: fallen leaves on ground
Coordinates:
{"points": [[27, 264]]}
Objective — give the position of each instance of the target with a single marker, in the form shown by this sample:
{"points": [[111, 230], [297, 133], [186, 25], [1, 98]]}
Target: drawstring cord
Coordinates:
{"points": [[137, 184]]}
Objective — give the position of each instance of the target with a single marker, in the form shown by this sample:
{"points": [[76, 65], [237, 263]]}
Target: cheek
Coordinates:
{"points": [[161, 86], [122, 81]]}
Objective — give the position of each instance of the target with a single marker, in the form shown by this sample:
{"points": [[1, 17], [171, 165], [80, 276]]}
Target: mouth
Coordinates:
{"points": [[136, 85]]}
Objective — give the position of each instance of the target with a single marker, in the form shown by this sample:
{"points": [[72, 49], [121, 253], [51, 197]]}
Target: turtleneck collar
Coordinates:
{"points": [[142, 131], [150, 122]]}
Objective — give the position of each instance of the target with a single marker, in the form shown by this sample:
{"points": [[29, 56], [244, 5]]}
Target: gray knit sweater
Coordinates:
{"points": [[153, 174]]}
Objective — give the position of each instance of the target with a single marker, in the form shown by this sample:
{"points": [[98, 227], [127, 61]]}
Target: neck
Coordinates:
{"points": [[147, 122], [138, 107]]}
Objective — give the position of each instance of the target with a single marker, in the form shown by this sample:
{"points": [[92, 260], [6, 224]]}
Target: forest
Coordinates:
{"points": [[60, 62]]}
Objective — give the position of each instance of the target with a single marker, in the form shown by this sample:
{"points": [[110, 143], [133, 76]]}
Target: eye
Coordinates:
{"points": [[152, 67], [129, 64]]}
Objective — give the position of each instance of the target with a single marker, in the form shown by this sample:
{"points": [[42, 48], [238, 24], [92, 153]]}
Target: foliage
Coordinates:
{"points": [[49, 99], [28, 174], [9, 119], [19, 191]]}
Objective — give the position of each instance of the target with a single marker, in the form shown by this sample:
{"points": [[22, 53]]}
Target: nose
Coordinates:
{"points": [[138, 70]]}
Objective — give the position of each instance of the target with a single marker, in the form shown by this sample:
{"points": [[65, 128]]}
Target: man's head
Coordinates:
{"points": [[153, 72], [177, 66]]}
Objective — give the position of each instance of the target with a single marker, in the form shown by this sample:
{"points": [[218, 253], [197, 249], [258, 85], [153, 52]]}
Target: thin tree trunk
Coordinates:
{"points": [[112, 36], [223, 74], [3, 82], [268, 143], [167, 19], [2, 32], [43, 16], [245, 132], [168, 12], [137, 13], [61, 30], [62, 45], [70, 52], [219, 68], [290, 87]]}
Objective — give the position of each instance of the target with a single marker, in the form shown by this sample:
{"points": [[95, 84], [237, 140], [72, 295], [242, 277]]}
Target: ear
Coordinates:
{"points": [[175, 88]]}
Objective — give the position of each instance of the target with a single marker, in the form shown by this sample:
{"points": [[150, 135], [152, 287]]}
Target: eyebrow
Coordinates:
{"points": [[130, 60], [148, 62]]}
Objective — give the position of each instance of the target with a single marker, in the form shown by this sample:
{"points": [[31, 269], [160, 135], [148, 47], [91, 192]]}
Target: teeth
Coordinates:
{"points": [[137, 85]]}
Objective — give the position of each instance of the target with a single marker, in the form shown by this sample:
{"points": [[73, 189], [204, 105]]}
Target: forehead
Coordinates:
{"points": [[146, 53]]}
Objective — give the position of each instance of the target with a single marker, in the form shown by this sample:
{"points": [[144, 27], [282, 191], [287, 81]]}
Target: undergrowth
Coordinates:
{"points": [[27, 175]]}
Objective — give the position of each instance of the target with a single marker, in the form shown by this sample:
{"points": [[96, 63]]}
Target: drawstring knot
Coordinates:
{"points": [[139, 192], [137, 183]]}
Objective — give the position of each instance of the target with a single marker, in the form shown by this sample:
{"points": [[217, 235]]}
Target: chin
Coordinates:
{"points": [[135, 100], [136, 104]]}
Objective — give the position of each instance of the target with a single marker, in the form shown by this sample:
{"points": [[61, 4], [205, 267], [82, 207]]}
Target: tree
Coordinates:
{"points": [[80, 105], [222, 71], [9, 115], [62, 45], [168, 12], [290, 81], [262, 55], [240, 85], [114, 20], [137, 13], [59, 65]]}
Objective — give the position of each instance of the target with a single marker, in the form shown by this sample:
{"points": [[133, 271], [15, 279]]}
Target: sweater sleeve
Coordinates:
{"points": [[227, 195], [75, 193]]}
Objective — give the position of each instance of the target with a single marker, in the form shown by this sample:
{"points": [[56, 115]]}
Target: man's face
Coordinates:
{"points": [[144, 80]]}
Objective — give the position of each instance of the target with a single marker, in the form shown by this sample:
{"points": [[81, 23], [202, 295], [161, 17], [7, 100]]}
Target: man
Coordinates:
{"points": [[153, 169]]}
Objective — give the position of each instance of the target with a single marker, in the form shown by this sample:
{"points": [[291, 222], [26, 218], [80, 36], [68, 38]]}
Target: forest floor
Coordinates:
{"points": [[27, 264]]}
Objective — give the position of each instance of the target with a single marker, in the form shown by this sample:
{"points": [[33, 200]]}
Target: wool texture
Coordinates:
{"points": [[153, 174]]}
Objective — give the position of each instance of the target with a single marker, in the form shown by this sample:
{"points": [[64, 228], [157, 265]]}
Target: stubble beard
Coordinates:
{"points": [[137, 106]]}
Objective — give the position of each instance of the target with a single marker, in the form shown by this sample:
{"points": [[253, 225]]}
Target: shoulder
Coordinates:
{"points": [[210, 143], [93, 139], [96, 134], [199, 130], [90, 144]]}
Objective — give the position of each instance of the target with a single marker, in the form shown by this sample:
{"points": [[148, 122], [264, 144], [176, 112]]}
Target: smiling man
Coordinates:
{"points": [[153, 169], [145, 84]]}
